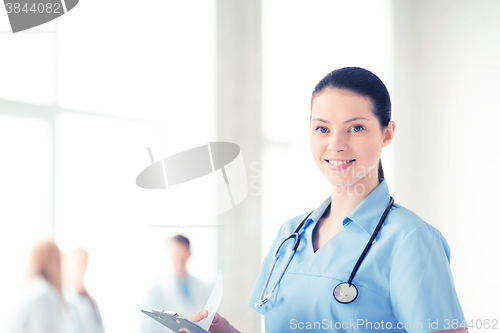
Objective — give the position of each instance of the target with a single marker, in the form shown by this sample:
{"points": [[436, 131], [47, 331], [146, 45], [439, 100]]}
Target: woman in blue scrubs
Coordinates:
{"points": [[404, 283]]}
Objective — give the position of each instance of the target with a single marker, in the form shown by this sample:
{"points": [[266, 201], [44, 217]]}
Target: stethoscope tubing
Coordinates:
{"points": [[370, 242], [347, 298], [296, 235]]}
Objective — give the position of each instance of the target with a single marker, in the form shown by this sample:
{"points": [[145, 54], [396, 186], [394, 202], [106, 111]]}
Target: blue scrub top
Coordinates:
{"points": [[404, 283]]}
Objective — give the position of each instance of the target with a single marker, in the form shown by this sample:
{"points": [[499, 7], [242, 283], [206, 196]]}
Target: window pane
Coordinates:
{"points": [[27, 63], [148, 62], [26, 200], [333, 34]]}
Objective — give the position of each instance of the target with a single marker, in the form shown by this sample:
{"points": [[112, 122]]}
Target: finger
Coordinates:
{"points": [[199, 316], [184, 330]]}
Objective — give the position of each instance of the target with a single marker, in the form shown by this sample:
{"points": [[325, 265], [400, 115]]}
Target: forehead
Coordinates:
{"points": [[341, 103]]}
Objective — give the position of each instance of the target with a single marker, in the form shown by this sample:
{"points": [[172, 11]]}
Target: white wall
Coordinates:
{"points": [[447, 108]]}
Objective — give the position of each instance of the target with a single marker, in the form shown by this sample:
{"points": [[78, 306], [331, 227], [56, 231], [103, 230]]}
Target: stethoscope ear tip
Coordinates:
{"points": [[256, 305]]}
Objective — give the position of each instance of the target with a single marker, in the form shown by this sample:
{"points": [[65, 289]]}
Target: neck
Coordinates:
{"points": [[182, 274], [80, 287], [346, 198]]}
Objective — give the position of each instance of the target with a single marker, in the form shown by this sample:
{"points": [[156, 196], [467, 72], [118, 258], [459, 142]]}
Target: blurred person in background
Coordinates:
{"points": [[82, 307], [179, 292], [41, 308]]}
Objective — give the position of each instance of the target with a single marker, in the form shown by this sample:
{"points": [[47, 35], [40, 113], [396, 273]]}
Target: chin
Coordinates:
{"points": [[349, 186], [340, 182]]}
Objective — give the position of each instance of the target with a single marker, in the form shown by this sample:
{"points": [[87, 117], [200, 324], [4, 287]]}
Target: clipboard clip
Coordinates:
{"points": [[163, 312]]}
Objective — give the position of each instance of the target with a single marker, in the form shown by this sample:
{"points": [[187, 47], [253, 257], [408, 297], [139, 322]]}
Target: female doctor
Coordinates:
{"points": [[403, 283]]}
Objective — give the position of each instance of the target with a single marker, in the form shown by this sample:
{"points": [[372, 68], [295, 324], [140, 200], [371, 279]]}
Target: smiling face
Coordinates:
{"points": [[346, 138]]}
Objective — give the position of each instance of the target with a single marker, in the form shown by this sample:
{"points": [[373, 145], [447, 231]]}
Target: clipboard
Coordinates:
{"points": [[173, 321]]}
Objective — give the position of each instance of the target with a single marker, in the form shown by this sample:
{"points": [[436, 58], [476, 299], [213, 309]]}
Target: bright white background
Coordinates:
{"points": [[113, 78], [82, 99]]}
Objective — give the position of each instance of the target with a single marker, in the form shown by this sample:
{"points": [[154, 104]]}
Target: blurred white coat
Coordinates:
{"points": [[40, 310], [83, 311]]}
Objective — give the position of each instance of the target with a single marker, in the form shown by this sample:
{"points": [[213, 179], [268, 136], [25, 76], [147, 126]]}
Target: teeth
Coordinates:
{"points": [[338, 162]]}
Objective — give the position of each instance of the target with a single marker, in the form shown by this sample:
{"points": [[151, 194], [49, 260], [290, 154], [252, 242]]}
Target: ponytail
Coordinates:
{"points": [[380, 170]]}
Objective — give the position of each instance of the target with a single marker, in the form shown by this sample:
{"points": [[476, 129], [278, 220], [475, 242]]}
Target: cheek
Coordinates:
{"points": [[312, 145], [372, 153], [316, 148]]}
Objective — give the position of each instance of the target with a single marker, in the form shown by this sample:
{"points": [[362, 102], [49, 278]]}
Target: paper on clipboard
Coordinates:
{"points": [[173, 321], [213, 303]]}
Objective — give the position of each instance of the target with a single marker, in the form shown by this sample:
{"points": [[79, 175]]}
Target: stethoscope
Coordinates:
{"points": [[344, 292]]}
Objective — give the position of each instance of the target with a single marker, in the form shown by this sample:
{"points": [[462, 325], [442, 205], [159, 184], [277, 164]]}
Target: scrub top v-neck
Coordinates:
{"points": [[404, 283]]}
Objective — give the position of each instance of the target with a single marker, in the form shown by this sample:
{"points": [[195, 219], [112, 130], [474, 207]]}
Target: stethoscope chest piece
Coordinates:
{"points": [[345, 293]]}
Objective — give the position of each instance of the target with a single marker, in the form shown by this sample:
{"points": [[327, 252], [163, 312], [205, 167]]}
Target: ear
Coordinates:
{"points": [[389, 133]]}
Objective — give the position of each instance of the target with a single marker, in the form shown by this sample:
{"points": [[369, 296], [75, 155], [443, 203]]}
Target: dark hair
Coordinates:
{"points": [[364, 83], [180, 239]]}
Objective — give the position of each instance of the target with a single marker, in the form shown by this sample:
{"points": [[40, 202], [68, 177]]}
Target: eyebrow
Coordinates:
{"points": [[345, 122]]}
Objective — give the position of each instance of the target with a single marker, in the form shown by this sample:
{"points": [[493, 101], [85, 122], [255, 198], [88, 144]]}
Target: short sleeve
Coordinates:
{"points": [[422, 291], [264, 271]]}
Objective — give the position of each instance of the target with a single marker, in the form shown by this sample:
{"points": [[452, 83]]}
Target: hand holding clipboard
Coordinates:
{"points": [[182, 325], [201, 322], [174, 321]]}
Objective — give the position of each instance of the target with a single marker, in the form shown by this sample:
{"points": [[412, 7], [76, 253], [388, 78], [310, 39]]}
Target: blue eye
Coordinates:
{"points": [[356, 128], [321, 129]]}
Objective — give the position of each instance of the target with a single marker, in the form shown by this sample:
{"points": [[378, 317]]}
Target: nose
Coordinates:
{"points": [[337, 142]]}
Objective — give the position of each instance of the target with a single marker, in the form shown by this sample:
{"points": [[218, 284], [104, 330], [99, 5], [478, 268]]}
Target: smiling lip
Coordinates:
{"points": [[341, 166]]}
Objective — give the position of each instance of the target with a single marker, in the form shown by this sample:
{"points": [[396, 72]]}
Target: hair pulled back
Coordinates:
{"points": [[45, 261]]}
